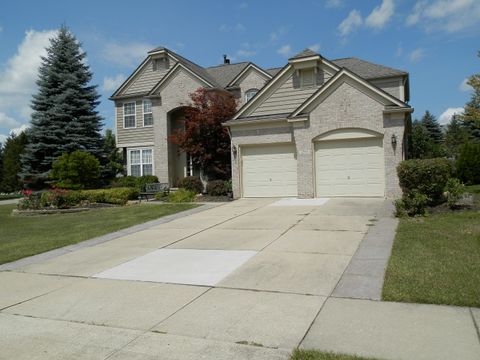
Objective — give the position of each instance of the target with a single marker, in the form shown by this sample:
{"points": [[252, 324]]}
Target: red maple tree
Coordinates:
{"points": [[203, 137]]}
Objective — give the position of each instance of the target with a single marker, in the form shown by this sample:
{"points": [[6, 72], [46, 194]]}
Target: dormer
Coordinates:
{"points": [[160, 59], [307, 67]]}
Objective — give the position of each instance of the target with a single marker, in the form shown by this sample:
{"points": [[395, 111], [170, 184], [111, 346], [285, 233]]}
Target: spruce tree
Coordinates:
{"points": [[14, 147], [455, 136], [1, 166], [433, 127], [64, 115]]}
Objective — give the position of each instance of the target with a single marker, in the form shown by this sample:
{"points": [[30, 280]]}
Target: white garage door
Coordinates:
{"points": [[269, 171], [350, 167]]}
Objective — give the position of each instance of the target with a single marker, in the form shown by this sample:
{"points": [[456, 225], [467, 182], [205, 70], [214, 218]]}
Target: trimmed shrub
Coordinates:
{"points": [[191, 183], [412, 204], [468, 164], [425, 176], [144, 180], [454, 189], [218, 188], [77, 170], [117, 196], [138, 182], [181, 196]]}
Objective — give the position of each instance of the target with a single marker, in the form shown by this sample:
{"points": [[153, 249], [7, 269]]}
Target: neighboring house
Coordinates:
{"points": [[310, 129]]}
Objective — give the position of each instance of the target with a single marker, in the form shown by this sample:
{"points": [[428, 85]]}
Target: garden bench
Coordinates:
{"points": [[152, 189]]}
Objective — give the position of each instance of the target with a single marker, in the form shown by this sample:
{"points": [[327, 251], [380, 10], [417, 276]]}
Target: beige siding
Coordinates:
{"points": [[146, 79], [251, 80], [136, 135], [285, 99], [391, 86]]}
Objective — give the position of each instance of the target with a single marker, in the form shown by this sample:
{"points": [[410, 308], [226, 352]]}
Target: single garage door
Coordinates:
{"points": [[269, 171], [350, 167]]}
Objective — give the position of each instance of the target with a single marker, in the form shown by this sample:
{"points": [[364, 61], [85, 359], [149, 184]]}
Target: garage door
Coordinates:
{"points": [[350, 167], [269, 171]]}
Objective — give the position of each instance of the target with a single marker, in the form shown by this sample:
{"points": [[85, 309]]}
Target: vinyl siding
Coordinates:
{"points": [[146, 79], [139, 134], [391, 86]]}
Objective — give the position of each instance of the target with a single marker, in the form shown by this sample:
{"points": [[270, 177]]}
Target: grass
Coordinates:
{"points": [[474, 189], [23, 236], [435, 260], [10, 196], [319, 355]]}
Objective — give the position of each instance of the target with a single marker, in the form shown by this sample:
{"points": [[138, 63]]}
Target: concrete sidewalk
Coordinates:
{"points": [[165, 292]]}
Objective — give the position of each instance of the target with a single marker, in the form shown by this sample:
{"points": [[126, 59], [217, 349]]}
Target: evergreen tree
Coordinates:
{"points": [[14, 147], [455, 136], [111, 160], [433, 127], [64, 118], [471, 116], [1, 166], [421, 143]]}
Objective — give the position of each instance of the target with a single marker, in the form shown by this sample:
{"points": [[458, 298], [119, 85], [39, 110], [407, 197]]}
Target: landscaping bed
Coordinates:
{"points": [[31, 235]]}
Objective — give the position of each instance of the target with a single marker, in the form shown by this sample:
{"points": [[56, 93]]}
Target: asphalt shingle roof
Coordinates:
{"points": [[225, 73], [304, 53], [366, 69]]}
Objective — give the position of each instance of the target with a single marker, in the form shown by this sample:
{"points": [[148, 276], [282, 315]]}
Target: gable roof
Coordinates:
{"points": [[366, 69], [304, 53], [225, 73]]}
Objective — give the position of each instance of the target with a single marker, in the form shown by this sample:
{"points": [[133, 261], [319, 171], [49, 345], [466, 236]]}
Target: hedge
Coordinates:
{"points": [[137, 182], [191, 183]]}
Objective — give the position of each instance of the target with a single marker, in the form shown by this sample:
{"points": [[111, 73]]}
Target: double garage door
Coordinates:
{"points": [[346, 167]]}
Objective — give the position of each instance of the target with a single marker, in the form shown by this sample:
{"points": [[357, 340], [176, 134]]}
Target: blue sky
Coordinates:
{"points": [[436, 41]]}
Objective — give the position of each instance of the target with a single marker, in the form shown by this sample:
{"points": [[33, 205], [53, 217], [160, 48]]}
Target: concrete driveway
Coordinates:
{"points": [[247, 280]]}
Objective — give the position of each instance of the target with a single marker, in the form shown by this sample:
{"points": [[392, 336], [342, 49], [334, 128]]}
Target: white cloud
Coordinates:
{"points": [[240, 27], [18, 76], [464, 86], [243, 53], [243, 5], [3, 138], [334, 4], [126, 55], [17, 131], [285, 50], [113, 83], [380, 14], [315, 47], [446, 15], [350, 23], [416, 55], [275, 35], [446, 116]]}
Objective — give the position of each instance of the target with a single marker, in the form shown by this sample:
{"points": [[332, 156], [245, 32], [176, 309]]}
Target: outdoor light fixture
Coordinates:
{"points": [[234, 151], [394, 140]]}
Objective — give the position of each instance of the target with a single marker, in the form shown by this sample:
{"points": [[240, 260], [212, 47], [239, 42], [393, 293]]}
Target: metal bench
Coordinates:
{"points": [[152, 189]]}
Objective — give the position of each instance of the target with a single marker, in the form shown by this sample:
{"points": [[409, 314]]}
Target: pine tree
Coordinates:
{"points": [[111, 160], [471, 116], [433, 127], [1, 166], [64, 118], [455, 136], [421, 143], [14, 147]]}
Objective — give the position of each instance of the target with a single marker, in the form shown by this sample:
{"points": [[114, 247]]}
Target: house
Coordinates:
{"points": [[313, 128]]}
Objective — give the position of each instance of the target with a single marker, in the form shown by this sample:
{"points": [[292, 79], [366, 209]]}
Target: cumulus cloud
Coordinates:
{"points": [[464, 86], [315, 47], [350, 23], [126, 55], [243, 5], [113, 83], [285, 50], [380, 14], [446, 116], [18, 76], [275, 35], [335, 4], [446, 15], [416, 55]]}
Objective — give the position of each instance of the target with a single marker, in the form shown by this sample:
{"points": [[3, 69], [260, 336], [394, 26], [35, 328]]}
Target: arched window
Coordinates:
{"points": [[249, 94]]}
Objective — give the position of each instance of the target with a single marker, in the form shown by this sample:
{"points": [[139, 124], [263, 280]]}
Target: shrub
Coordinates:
{"points": [[181, 195], [138, 182], [144, 180], [117, 196], [191, 183], [468, 163], [412, 204], [56, 198], [425, 176], [31, 200], [77, 170], [454, 189], [161, 196], [217, 188]]}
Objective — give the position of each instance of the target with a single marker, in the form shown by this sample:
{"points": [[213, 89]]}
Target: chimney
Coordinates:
{"points": [[226, 60]]}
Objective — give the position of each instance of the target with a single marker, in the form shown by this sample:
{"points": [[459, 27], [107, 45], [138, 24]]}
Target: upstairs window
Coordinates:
{"points": [[250, 94], [307, 77], [147, 113], [129, 115]]}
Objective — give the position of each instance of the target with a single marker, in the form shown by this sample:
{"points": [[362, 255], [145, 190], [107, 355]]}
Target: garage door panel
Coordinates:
{"points": [[269, 171], [350, 167]]}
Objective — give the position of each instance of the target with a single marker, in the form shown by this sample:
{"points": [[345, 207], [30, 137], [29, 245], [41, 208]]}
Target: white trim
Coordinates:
{"points": [[130, 78], [244, 71], [169, 74], [116, 126], [143, 112], [262, 91], [131, 145], [306, 58], [134, 113], [250, 90], [141, 149], [334, 79]]}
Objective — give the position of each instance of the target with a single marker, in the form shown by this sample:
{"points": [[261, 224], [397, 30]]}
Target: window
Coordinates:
{"points": [[147, 113], [129, 115], [307, 77], [141, 162], [250, 93]]}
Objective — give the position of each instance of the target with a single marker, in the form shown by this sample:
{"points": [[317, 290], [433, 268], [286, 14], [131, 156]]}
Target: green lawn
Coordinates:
{"points": [[22, 236], [436, 260], [10, 196], [474, 189], [318, 355]]}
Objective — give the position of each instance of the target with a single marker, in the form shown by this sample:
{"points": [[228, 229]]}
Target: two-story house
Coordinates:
{"points": [[313, 128]]}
